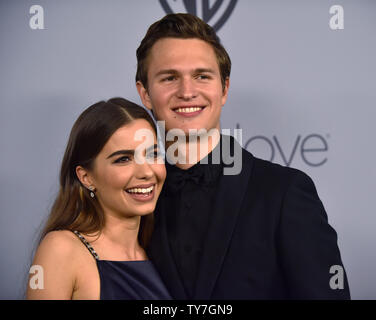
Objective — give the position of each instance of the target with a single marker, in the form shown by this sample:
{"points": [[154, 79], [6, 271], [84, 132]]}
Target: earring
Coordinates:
{"points": [[92, 189]]}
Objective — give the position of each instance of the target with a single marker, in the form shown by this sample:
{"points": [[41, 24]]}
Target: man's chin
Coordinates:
{"points": [[187, 130]]}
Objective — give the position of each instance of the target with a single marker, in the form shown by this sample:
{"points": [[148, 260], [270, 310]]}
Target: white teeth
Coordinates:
{"points": [[141, 190], [188, 110]]}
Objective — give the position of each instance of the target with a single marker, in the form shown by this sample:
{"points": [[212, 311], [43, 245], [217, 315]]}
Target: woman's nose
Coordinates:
{"points": [[143, 170]]}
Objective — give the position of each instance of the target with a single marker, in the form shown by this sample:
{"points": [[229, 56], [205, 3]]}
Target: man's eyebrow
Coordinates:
{"points": [[166, 71], [122, 152], [173, 71], [204, 70]]}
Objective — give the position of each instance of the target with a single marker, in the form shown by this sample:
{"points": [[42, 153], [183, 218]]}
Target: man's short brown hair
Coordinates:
{"points": [[183, 26]]}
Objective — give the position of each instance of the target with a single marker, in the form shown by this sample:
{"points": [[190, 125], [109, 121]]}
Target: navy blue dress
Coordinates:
{"points": [[128, 280]]}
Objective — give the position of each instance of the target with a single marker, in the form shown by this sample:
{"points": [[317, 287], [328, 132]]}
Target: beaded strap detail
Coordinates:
{"points": [[87, 244]]}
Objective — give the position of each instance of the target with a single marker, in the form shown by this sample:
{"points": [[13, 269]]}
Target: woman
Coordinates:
{"points": [[93, 244]]}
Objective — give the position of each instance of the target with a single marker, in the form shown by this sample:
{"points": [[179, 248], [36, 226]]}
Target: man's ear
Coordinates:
{"points": [[84, 177], [144, 95], [225, 91]]}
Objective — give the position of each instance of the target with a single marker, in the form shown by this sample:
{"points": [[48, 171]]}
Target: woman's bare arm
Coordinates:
{"points": [[55, 267]]}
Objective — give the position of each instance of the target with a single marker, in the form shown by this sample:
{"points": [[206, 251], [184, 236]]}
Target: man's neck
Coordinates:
{"points": [[191, 150]]}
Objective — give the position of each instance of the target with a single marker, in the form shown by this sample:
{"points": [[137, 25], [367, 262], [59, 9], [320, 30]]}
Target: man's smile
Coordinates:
{"points": [[188, 111]]}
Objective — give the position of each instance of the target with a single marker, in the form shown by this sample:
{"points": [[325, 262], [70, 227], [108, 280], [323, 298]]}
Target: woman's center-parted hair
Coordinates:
{"points": [[181, 26], [97, 124], [73, 208]]}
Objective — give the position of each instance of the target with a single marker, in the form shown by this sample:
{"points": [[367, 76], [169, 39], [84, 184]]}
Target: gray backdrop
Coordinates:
{"points": [[303, 94]]}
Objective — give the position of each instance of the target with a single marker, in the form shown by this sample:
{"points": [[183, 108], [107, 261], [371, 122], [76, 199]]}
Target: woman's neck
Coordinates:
{"points": [[119, 239]]}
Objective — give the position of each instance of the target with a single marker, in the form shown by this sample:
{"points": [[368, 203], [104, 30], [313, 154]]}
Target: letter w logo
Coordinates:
{"points": [[216, 15]]}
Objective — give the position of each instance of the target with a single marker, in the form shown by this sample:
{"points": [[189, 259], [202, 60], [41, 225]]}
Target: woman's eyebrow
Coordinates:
{"points": [[130, 151], [121, 152]]}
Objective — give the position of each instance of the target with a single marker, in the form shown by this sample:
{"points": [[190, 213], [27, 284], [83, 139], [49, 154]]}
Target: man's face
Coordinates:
{"points": [[184, 84]]}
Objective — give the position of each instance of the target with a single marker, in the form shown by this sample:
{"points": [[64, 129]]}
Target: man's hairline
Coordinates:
{"points": [[171, 37]]}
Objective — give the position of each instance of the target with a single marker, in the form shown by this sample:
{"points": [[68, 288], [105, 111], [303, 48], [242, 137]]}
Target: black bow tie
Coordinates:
{"points": [[200, 174]]}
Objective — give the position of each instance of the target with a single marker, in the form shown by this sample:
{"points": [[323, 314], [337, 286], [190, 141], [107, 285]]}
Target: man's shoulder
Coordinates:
{"points": [[260, 168], [269, 171]]}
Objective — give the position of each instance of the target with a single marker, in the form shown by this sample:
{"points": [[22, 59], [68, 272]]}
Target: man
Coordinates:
{"points": [[259, 234]]}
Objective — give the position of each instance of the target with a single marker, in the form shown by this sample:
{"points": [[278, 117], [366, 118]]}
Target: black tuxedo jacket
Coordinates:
{"points": [[269, 238]]}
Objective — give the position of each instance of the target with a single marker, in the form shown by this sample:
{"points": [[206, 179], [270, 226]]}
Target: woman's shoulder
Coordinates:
{"points": [[60, 241], [62, 247], [57, 256]]}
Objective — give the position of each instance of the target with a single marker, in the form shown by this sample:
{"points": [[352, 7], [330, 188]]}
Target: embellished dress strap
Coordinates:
{"points": [[87, 244]]}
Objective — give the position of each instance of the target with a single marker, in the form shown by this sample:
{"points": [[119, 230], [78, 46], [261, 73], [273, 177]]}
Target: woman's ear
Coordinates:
{"points": [[144, 95], [84, 177]]}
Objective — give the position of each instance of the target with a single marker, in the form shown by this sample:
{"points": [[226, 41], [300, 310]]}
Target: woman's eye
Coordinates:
{"points": [[123, 159]]}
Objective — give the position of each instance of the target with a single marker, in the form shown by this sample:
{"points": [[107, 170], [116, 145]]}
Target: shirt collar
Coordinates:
{"points": [[206, 172]]}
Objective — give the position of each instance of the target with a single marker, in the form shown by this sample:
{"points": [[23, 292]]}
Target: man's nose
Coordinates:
{"points": [[187, 89]]}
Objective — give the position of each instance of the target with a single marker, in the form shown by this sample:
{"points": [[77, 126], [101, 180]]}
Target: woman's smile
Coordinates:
{"points": [[142, 193]]}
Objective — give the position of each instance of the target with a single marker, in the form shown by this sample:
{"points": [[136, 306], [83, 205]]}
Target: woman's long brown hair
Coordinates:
{"points": [[73, 208]]}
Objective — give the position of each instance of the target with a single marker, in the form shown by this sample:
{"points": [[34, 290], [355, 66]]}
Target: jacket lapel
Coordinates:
{"points": [[161, 255], [231, 191]]}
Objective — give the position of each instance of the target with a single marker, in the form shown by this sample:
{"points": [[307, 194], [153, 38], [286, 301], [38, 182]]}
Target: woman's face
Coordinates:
{"points": [[126, 175]]}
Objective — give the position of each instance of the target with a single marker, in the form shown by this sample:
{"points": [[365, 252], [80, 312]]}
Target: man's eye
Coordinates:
{"points": [[203, 77], [169, 78]]}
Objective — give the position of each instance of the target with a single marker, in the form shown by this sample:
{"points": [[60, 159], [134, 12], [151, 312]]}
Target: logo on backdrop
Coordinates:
{"points": [[215, 14], [312, 148]]}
